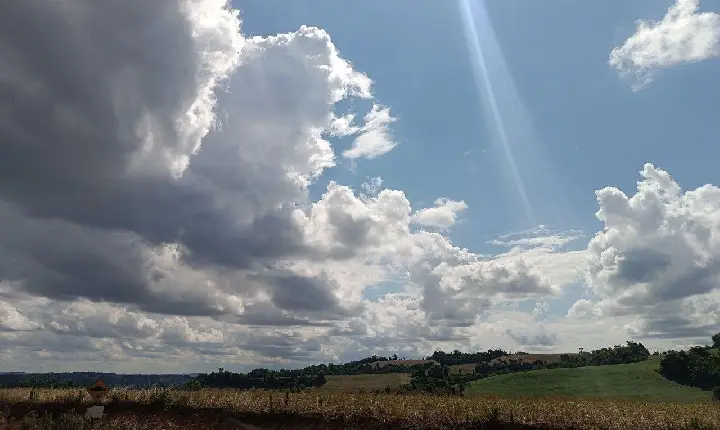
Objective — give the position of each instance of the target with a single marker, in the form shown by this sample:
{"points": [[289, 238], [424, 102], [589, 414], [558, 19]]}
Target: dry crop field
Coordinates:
{"points": [[166, 409]]}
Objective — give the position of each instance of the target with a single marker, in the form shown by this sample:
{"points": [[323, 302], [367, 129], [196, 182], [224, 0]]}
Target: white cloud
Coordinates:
{"points": [[443, 216], [582, 308], [12, 320], [541, 308], [371, 186], [684, 35], [658, 254], [540, 236], [374, 137], [537, 337]]}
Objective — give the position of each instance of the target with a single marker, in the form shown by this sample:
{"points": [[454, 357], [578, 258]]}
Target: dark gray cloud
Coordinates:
{"points": [[90, 83], [641, 265], [100, 104], [286, 346], [65, 261], [304, 294], [93, 96], [276, 319], [77, 80], [665, 325], [533, 339]]}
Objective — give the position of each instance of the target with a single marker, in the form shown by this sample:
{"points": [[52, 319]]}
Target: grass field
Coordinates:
{"points": [[166, 409], [638, 380], [356, 383]]}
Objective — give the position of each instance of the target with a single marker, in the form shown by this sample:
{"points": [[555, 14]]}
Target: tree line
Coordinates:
{"points": [[456, 357], [697, 367], [83, 379]]}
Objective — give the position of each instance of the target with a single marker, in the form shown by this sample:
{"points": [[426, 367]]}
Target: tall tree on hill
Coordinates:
{"points": [[716, 340]]}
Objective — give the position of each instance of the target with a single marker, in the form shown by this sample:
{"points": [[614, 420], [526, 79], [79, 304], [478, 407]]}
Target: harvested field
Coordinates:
{"points": [[158, 409]]}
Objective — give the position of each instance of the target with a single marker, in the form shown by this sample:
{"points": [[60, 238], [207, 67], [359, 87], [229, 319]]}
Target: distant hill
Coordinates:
{"points": [[401, 362], [69, 379], [637, 380], [525, 358], [530, 358]]}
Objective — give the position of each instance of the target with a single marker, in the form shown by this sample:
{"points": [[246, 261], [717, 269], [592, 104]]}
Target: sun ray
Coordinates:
{"points": [[531, 176]]}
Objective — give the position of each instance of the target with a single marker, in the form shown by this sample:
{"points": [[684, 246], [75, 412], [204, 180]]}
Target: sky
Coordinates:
{"points": [[194, 184]]}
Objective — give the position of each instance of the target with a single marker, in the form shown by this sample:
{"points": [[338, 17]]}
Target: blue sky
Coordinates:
{"points": [[573, 125], [591, 127], [280, 183]]}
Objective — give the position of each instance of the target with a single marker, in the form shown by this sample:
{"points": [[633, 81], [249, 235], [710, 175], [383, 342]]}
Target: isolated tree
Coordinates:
{"points": [[716, 340], [320, 380]]}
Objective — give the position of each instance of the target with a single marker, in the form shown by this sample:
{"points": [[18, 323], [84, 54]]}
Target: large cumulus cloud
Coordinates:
{"points": [[153, 155], [657, 258], [155, 167], [155, 158]]}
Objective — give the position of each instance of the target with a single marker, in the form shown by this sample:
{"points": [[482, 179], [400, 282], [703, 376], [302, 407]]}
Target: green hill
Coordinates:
{"points": [[638, 380]]}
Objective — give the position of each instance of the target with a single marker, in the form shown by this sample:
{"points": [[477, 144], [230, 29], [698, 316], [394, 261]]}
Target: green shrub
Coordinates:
{"points": [[193, 385], [160, 397]]}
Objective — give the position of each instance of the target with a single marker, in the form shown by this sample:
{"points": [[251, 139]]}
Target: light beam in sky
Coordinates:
{"points": [[531, 177]]}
